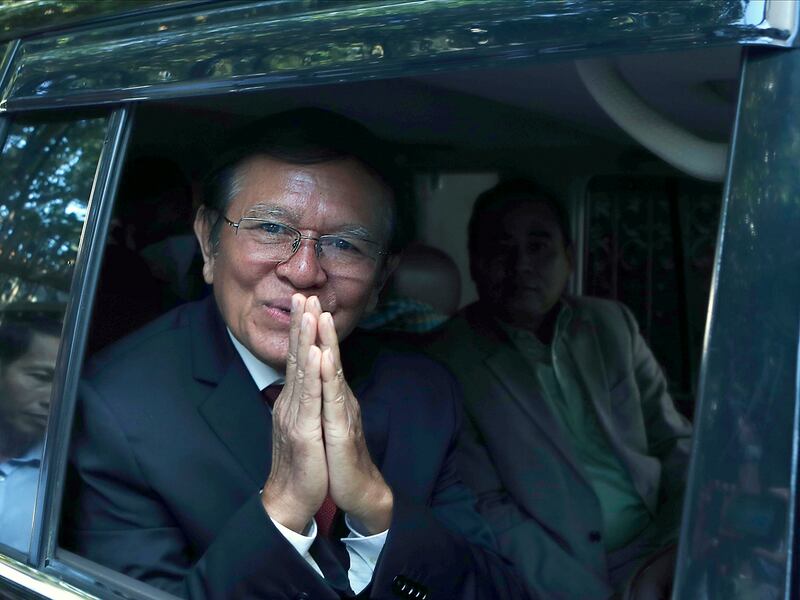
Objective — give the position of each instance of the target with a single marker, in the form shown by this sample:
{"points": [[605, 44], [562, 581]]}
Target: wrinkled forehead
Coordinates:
{"points": [[531, 214], [521, 217], [326, 196]]}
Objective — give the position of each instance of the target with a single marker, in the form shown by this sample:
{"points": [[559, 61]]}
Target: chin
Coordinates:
{"points": [[271, 351]]}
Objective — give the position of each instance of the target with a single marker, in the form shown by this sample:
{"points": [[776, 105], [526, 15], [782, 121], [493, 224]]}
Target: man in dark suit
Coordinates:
{"points": [[220, 452], [572, 442]]}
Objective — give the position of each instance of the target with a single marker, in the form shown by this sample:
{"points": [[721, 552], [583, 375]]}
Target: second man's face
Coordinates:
{"points": [[523, 265], [25, 386], [254, 295]]}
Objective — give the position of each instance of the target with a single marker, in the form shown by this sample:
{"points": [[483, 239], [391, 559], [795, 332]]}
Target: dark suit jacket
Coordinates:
{"points": [[514, 454], [172, 445]]}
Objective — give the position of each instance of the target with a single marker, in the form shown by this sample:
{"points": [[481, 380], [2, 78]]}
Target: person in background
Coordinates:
{"points": [[571, 442], [28, 349]]}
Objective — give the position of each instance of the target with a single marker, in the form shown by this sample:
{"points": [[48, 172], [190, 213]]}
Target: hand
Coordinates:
{"points": [[356, 485], [298, 480]]}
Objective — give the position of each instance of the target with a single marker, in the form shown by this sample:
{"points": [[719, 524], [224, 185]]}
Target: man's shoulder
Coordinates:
{"points": [[467, 336], [166, 339], [599, 310], [390, 364], [407, 376], [469, 322]]}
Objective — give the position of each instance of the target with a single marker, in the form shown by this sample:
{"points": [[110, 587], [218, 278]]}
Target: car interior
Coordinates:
{"points": [[645, 233], [674, 168]]}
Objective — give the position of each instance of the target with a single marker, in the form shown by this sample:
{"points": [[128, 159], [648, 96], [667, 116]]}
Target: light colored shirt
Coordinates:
{"points": [[625, 514], [363, 550], [19, 480]]}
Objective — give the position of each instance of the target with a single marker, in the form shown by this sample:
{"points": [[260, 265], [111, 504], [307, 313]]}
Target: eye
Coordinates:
{"points": [[41, 376], [343, 245], [271, 228]]}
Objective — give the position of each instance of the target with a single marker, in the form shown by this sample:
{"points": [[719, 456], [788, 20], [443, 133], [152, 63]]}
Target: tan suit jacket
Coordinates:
{"points": [[531, 488]]}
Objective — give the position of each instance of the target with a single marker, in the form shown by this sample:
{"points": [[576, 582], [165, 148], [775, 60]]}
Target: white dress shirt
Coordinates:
{"points": [[363, 550]]}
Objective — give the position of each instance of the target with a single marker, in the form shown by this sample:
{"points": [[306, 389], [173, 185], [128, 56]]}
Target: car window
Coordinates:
{"points": [[46, 174]]}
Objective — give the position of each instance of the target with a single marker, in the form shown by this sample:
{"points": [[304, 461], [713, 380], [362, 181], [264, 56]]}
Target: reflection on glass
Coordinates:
{"points": [[19, 18], [28, 350], [736, 537], [280, 42], [46, 174]]}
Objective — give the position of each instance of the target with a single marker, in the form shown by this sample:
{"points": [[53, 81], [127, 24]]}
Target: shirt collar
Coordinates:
{"points": [[263, 375], [517, 334], [33, 456]]}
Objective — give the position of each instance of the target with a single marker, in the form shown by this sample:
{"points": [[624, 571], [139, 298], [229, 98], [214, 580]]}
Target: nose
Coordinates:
{"points": [[302, 269]]}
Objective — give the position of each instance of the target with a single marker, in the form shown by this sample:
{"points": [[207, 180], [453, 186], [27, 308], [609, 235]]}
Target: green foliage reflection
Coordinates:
{"points": [[46, 175], [21, 16]]}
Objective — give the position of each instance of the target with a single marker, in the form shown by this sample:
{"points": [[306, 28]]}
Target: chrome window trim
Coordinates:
{"points": [[9, 55], [41, 585], [226, 48]]}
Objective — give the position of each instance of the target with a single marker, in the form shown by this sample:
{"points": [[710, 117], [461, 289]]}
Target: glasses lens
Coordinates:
{"points": [[346, 255], [269, 240], [337, 254]]}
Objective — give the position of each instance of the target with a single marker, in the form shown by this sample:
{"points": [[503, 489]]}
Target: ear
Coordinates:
{"points": [[389, 265], [202, 231]]}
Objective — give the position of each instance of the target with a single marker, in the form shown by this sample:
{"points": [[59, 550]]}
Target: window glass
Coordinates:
{"points": [[46, 175]]}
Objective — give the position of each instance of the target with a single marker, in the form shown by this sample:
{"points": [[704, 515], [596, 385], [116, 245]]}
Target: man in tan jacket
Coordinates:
{"points": [[571, 439]]}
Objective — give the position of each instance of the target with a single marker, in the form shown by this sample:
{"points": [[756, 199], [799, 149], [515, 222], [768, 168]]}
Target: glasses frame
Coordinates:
{"points": [[299, 237]]}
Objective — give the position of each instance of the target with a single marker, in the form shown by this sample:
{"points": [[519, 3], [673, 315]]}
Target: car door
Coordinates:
{"points": [[70, 93]]}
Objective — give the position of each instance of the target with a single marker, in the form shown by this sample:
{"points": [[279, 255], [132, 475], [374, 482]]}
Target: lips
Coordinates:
{"points": [[284, 306], [39, 418], [278, 314]]}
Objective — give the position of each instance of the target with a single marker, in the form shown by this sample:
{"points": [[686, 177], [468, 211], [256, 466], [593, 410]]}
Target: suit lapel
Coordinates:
{"points": [[519, 381], [584, 347], [234, 409]]}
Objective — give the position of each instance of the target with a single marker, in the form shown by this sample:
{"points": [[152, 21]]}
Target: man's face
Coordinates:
{"points": [[522, 265], [25, 386], [254, 295]]}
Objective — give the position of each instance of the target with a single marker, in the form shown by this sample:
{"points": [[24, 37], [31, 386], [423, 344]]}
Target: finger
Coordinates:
{"points": [[328, 337], [334, 394], [314, 307], [308, 334], [298, 308], [310, 401]]}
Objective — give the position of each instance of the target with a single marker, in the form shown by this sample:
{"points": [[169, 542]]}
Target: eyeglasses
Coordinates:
{"points": [[338, 254]]}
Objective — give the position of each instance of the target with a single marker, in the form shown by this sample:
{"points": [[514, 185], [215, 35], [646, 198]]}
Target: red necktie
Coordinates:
{"points": [[327, 512]]}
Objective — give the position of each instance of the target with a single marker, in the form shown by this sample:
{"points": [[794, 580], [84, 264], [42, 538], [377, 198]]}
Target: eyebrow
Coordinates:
{"points": [[260, 211], [268, 211], [358, 231]]}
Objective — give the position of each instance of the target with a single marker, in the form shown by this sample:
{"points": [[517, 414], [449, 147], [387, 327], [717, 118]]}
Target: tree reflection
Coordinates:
{"points": [[22, 16], [46, 175]]}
